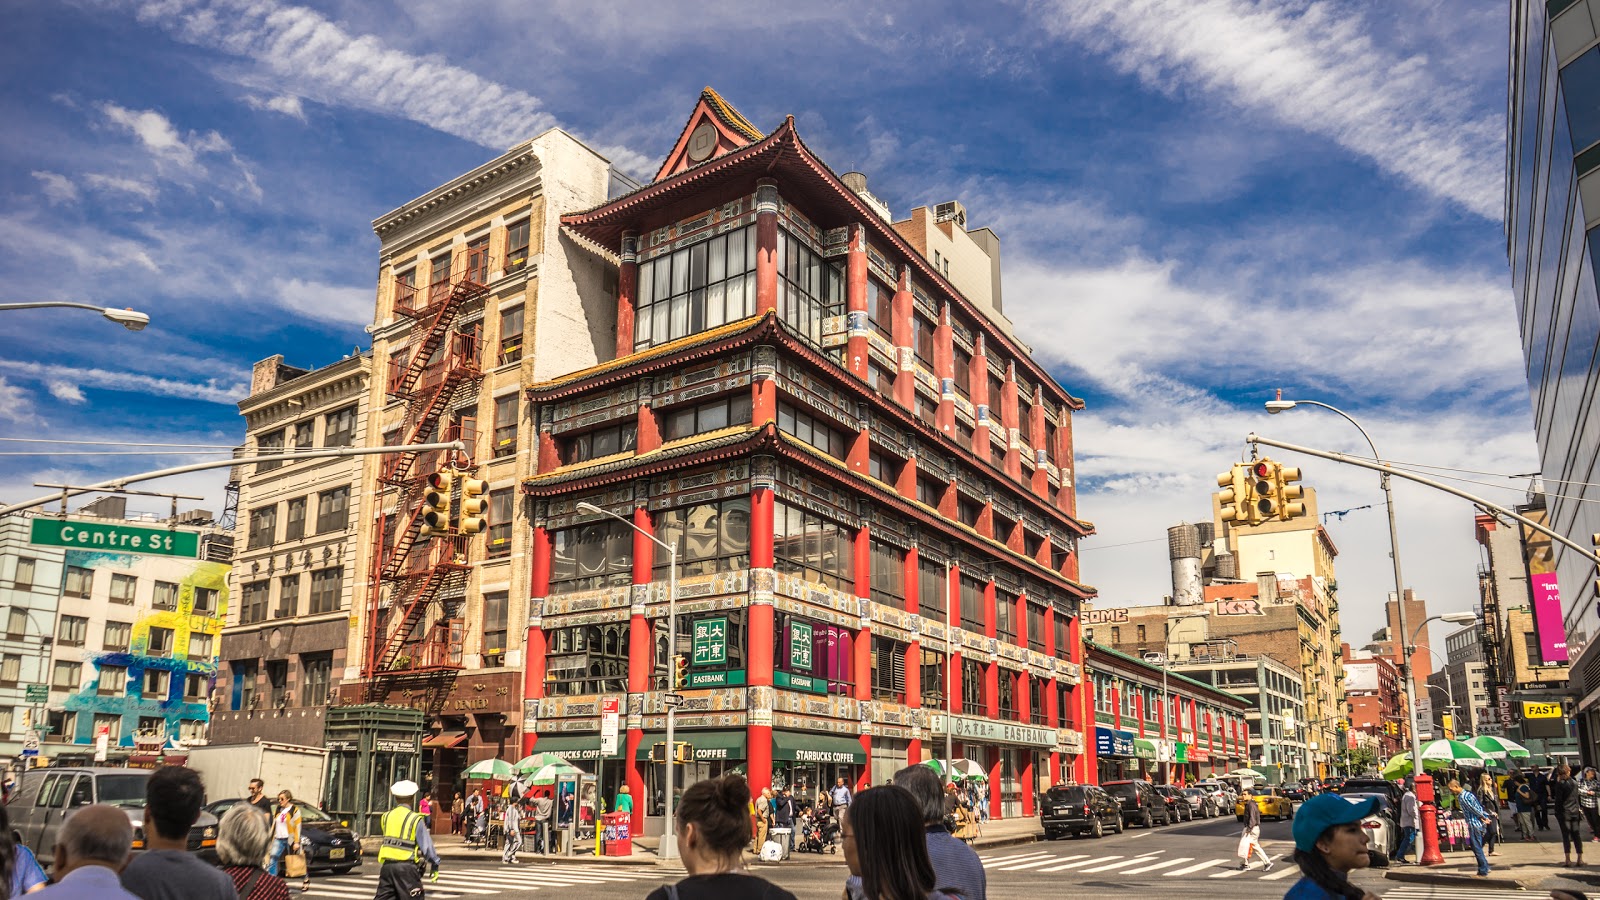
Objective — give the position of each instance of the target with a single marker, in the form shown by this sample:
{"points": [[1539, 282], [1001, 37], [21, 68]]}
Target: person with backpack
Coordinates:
{"points": [[713, 827], [1569, 812], [885, 847], [1523, 799]]}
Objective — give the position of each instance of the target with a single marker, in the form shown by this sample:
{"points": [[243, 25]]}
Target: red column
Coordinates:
{"points": [[1036, 429], [856, 354], [1062, 456], [627, 291], [863, 643], [766, 246], [641, 658], [1008, 416], [991, 672], [905, 379], [647, 430], [533, 647], [913, 652], [944, 366], [1088, 762], [760, 636], [993, 767], [1029, 781], [549, 453], [979, 390], [763, 399], [1138, 711]]}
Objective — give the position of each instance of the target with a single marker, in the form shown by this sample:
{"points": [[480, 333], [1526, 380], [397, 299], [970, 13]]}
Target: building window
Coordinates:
{"points": [[253, 602], [688, 421], [933, 679], [201, 646], [881, 380], [22, 576], [295, 527], [1005, 618], [333, 510], [195, 687], [1008, 695], [496, 615], [888, 669], [316, 671], [339, 428], [305, 434], [972, 688], [962, 373], [511, 335], [1116, 635], [64, 676], [968, 510], [809, 287], [72, 631], [326, 589], [269, 444], [160, 642], [832, 655], [696, 288], [478, 260], [111, 723], [517, 246], [621, 438], [973, 609], [929, 492], [16, 623], [263, 527], [927, 410], [117, 636], [505, 426], [288, 596], [589, 659], [922, 340], [113, 681], [278, 683], [244, 684], [1036, 633], [932, 593], [888, 579], [815, 548], [997, 385], [593, 555], [502, 507], [884, 468], [80, 581], [10, 668], [880, 304], [709, 537], [157, 683], [812, 429], [205, 601]]}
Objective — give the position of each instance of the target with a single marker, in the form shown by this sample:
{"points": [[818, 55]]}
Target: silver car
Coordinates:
{"points": [[1383, 829]]}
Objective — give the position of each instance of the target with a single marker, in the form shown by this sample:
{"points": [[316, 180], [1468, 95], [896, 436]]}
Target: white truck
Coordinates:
{"points": [[228, 768]]}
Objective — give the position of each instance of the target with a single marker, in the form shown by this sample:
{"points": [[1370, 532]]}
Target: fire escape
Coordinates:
{"points": [[405, 646]]}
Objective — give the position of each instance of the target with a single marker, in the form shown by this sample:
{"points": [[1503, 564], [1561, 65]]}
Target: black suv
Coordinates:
{"points": [[1141, 805], [1372, 786], [329, 844], [1079, 809], [1177, 805]]}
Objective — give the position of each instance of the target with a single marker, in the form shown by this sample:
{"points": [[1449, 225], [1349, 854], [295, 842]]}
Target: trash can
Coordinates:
{"points": [[617, 838]]}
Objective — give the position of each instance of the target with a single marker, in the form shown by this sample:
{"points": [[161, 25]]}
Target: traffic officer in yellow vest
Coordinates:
{"points": [[406, 844]]}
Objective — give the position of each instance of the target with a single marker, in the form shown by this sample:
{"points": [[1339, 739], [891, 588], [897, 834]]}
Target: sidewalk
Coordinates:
{"points": [[1516, 864]]}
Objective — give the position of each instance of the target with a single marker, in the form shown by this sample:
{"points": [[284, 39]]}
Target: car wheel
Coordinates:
{"points": [[1120, 826], [1097, 830]]}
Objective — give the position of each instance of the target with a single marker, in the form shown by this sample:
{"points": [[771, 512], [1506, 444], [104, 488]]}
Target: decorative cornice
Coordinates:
{"points": [[440, 198]]}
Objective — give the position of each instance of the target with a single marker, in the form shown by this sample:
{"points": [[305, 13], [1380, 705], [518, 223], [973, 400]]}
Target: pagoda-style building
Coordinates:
{"points": [[866, 478]]}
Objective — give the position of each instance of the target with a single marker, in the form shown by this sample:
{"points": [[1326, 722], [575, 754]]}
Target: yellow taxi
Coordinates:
{"points": [[1272, 803]]}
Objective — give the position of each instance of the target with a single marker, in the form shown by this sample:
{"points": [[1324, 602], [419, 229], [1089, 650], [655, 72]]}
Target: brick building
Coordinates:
{"points": [[1375, 700]]}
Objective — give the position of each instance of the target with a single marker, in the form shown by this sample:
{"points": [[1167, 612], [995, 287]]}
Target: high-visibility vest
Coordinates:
{"points": [[400, 836]]}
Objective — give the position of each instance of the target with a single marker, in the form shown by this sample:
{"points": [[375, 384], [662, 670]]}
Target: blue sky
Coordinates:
{"points": [[1198, 202]]}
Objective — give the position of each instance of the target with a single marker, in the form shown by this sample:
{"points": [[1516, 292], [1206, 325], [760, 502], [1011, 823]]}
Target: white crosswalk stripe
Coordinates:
{"points": [[1190, 870], [990, 860], [1281, 870], [1437, 892], [481, 882], [1034, 864], [1117, 865], [1164, 864]]}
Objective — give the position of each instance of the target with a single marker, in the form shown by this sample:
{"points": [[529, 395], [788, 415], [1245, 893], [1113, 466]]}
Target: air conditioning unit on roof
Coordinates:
{"points": [[951, 211]]}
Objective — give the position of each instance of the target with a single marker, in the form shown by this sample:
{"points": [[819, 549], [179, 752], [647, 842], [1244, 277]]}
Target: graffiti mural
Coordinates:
{"points": [[173, 610]]}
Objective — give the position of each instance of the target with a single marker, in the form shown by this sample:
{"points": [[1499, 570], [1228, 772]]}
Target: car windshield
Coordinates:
{"points": [[309, 813], [1194, 792], [1066, 794], [1122, 790], [121, 789]]}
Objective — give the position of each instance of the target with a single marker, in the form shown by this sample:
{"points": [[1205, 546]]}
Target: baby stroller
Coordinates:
{"points": [[817, 833]]}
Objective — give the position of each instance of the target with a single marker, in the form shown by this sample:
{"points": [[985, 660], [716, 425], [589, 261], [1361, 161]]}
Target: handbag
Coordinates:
{"points": [[294, 866]]}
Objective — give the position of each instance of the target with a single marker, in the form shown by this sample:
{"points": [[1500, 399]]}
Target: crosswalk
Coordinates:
{"points": [[1153, 863], [484, 881], [1431, 892]]}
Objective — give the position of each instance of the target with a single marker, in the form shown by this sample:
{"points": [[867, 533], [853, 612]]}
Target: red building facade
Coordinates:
{"points": [[867, 482]]}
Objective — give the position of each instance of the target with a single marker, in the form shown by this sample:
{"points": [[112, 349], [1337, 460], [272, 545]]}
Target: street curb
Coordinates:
{"points": [[1445, 878], [1007, 842]]}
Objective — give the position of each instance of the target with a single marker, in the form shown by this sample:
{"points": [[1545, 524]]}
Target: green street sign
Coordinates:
{"points": [[711, 642], [799, 645], [38, 693], [723, 678], [800, 682], [104, 536]]}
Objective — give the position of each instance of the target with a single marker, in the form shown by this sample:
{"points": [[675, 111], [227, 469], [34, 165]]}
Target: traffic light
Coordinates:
{"points": [[680, 672], [658, 752], [473, 504], [683, 752], [1235, 493], [1264, 475], [436, 505]]}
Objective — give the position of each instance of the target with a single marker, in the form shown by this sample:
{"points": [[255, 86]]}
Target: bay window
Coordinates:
{"points": [[815, 548], [810, 288], [690, 290], [593, 555]]}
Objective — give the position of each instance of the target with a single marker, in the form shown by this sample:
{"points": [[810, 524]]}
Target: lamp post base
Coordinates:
{"points": [[1428, 815], [668, 848]]}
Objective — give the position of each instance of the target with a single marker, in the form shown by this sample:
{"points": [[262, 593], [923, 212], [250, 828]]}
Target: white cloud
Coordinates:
{"points": [[136, 187], [286, 104], [16, 405], [1312, 65], [66, 391], [215, 390], [58, 189], [159, 136], [325, 302]]}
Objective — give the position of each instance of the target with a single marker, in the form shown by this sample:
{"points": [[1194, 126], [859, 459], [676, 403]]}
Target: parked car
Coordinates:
{"points": [[1079, 809], [329, 845], [45, 798], [1201, 802], [1177, 804], [1372, 786], [1295, 792], [1383, 830], [1141, 805], [1270, 800]]}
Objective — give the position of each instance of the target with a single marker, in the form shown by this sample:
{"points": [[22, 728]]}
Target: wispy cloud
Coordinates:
{"points": [[1312, 65], [57, 188], [136, 187], [71, 377], [286, 104], [67, 392], [162, 139], [327, 302], [16, 405]]}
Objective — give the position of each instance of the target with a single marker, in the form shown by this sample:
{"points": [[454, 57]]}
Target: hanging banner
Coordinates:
{"points": [[1545, 594]]}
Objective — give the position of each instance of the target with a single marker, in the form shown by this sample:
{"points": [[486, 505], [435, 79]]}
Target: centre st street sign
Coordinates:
{"points": [[105, 536]]}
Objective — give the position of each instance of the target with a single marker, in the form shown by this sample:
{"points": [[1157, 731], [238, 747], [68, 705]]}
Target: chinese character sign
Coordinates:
{"points": [[800, 646], [711, 642]]}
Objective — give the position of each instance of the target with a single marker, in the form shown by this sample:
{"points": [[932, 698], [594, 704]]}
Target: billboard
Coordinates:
{"points": [[1539, 552]]}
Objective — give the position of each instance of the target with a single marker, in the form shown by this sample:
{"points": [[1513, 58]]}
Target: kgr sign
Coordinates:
{"points": [[1239, 606], [127, 538]]}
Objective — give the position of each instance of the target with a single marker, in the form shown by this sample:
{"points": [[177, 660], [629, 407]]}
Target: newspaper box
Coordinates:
{"points": [[618, 836]]}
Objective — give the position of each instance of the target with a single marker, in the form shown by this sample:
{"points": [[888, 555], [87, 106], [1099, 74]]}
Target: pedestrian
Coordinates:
{"points": [[511, 821], [425, 807], [1408, 822], [542, 807], [285, 832], [1541, 799], [242, 839], [1476, 819], [166, 870], [840, 796], [783, 817], [1250, 837], [91, 848], [713, 828], [624, 802], [458, 812], [258, 796], [762, 807], [1589, 793], [1522, 799], [1489, 799], [1329, 842], [1569, 812], [885, 848], [405, 846], [956, 866]]}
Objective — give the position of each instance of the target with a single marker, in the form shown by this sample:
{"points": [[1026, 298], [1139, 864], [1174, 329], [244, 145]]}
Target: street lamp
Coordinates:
{"points": [[669, 835], [128, 318]]}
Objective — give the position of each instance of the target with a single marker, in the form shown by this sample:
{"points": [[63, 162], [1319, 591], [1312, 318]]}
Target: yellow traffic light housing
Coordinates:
{"points": [[680, 672], [1289, 494], [473, 505], [436, 504], [1235, 494], [1264, 488], [683, 752]]}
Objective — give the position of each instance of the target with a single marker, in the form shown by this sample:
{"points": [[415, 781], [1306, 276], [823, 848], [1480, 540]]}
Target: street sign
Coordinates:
{"points": [[1532, 710], [102, 536], [609, 715], [30, 745], [38, 693], [674, 699], [719, 678], [711, 642]]}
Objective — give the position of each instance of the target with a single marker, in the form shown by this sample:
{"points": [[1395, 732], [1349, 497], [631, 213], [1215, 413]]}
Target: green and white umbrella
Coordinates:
{"points": [[961, 769], [1496, 747], [490, 768], [530, 764], [1436, 755], [1247, 773], [549, 774]]}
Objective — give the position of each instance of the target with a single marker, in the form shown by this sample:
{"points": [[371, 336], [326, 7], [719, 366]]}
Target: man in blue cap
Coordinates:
{"points": [[1329, 843]]}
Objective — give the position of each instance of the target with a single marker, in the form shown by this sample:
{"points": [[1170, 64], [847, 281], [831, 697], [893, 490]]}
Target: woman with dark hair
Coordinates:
{"points": [[713, 829], [1329, 843], [17, 865], [886, 848]]}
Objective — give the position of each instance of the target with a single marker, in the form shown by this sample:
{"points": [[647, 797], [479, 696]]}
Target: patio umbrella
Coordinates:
{"points": [[1247, 773], [961, 769], [1496, 747], [1436, 755], [490, 768], [548, 774], [530, 764]]}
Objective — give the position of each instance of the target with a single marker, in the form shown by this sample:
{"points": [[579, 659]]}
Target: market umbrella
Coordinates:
{"points": [[961, 769], [530, 764], [548, 774], [1436, 755], [490, 768], [1247, 773], [1496, 747]]}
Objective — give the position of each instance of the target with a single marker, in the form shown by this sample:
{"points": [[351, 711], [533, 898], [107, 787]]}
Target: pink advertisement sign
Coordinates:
{"points": [[1547, 619]]}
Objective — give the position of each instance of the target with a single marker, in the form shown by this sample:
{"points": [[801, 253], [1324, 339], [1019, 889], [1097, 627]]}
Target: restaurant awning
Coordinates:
{"points": [[708, 745], [1144, 748], [795, 746], [445, 740], [574, 747]]}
